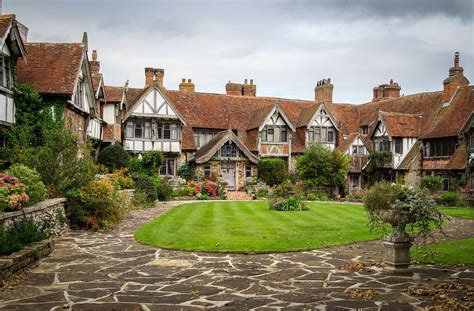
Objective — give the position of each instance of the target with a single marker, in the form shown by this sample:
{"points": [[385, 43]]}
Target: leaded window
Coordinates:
{"points": [[398, 145], [274, 133]]}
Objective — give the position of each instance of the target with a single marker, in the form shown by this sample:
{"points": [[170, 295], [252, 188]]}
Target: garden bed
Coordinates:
{"points": [[20, 260]]}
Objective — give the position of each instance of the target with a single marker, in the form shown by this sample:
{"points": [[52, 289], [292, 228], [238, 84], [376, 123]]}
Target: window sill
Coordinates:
{"points": [[274, 142]]}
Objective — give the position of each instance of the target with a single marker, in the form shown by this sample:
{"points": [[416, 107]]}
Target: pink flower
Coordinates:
{"points": [[7, 178], [15, 181]]}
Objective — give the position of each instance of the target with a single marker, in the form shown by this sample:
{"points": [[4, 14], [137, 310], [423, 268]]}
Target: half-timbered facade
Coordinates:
{"points": [[12, 36]]}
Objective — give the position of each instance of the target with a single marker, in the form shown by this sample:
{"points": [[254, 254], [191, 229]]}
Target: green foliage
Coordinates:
{"points": [[185, 171], [62, 162], [34, 116], [13, 194], [35, 188], [202, 196], [94, 205], [272, 171], [262, 193], [145, 184], [377, 159], [432, 183], [321, 167], [289, 204], [317, 196], [163, 189], [114, 157], [135, 166], [151, 162], [140, 200], [20, 234], [449, 198], [410, 206]]}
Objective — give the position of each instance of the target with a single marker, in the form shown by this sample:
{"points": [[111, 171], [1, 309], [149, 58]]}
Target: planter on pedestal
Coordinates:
{"points": [[397, 244]]}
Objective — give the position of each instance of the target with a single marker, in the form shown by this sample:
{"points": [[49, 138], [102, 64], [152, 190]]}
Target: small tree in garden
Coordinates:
{"points": [[432, 183], [321, 167], [114, 157], [152, 162], [272, 171]]}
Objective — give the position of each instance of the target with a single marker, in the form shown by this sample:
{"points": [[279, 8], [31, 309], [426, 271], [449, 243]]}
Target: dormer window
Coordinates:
{"points": [[321, 134], [274, 133], [382, 144], [358, 149]]}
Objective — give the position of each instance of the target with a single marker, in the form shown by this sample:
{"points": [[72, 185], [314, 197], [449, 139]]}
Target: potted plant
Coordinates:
{"points": [[410, 211]]}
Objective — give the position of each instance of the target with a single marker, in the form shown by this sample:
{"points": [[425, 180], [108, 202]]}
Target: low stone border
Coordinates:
{"points": [[20, 260], [52, 210]]}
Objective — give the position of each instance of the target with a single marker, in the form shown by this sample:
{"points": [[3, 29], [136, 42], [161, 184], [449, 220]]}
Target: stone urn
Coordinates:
{"points": [[398, 243]]}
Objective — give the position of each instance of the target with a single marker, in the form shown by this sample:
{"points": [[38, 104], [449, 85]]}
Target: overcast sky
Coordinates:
{"points": [[285, 46]]}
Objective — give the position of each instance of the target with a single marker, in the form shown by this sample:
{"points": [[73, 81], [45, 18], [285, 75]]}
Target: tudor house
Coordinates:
{"points": [[13, 36], [61, 71], [224, 134], [152, 122]]}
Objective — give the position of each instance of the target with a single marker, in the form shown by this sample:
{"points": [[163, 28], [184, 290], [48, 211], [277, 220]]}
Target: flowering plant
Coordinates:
{"points": [[210, 188], [12, 193]]}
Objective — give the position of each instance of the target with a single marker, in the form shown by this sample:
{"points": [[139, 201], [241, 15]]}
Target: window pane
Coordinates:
{"points": [[330, 136], [2, 83], [196, 140], [147, 130], [163, 169], [159, 130], [276, 135], [248, 171], [270, 134], [129, 131], [354, 149], [361, 150], [317, 134], [284, 137], [174, 131], [207, 171], [311, 134], [264, 134], [170, 167], [138, 130], [166, 131]]}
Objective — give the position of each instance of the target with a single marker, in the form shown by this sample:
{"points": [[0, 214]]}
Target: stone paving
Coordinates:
{"points": [[110, 271]]}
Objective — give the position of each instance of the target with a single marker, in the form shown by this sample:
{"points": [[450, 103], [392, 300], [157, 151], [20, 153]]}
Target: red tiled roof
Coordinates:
{"points": [[458, 160], [346, 143], [114, 93], [401, 124], [413, 155], [449, 120], [5, 23], [52, 68]]}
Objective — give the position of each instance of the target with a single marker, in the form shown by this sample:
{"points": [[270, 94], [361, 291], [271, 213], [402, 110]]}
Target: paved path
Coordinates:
{"points": [[110, 271]]}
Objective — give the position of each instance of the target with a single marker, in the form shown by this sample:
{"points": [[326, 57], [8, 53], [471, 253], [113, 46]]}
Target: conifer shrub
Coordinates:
{"points": [[272, 171]]}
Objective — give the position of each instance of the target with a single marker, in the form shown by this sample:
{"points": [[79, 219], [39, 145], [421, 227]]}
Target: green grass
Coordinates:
{"points": [[449, 253], [249, 226], [460, 212]]}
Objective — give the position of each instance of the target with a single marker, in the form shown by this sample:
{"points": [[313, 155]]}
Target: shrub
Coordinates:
{"points": [[145, 184], [209, 188], [449, 198], [312, 197], [35, 188], [58, 163], [184, 171], [12, 193], [321, 167], [114, 157], [140, 200], [181, 192], [262, 193], [94, 205], [151, 162], [202, 196], [135, 166], [288, 204], [120, 179], [431, 183], [272, 171], [20, 234], [411, 206], [163, 189]]}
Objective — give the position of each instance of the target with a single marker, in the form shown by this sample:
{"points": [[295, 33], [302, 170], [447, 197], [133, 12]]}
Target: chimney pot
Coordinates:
{"points": [[245, 81], [94, 55], [251, 81], [190, 81], [456, 59], [183, 80]]}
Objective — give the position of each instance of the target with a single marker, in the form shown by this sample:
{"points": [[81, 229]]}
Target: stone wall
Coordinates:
{"points": [[52, 210]]}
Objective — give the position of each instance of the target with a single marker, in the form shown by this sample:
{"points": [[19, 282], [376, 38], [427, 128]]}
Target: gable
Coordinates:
{"points": [[379, 130], [153, 103], [277, 117], [322, 118]]}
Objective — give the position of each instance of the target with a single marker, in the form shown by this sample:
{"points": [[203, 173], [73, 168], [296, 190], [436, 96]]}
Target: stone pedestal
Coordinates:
{"points": [[397, 252]]}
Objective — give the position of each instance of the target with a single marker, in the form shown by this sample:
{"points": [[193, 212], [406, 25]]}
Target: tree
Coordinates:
{"points": [[272, 171], [114, 157], [321, 167]]}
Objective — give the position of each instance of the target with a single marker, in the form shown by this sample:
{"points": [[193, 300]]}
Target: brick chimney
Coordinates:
{"points": [[149, 76], [233, 88], [159, 76], [94, 63], [249, 89], [323, 91], [455, 80], [186, 86], [386, 91]]}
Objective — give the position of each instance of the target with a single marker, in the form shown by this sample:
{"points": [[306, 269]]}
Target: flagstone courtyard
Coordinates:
{"points": [[111, 271]]}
